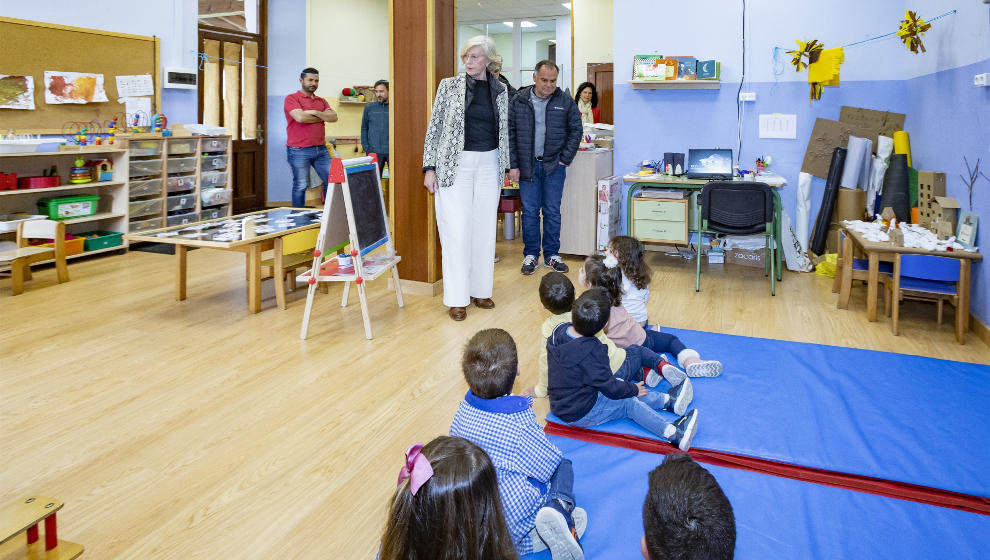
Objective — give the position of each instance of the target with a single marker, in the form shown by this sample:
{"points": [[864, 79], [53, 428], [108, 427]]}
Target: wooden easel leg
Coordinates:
{"points": [[180, 272], [310, 292], [398, 285], [347, 290], [364, 311]]}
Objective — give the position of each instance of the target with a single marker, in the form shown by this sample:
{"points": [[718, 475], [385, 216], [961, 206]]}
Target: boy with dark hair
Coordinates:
{"points": [[584, 392], [534, 480], [686, 516]]}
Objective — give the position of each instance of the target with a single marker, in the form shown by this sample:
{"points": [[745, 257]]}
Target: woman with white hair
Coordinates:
{"points": [[465, 160]]}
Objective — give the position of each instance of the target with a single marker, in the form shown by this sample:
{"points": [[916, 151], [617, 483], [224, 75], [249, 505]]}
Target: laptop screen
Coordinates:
{"points": [[705, 163]]}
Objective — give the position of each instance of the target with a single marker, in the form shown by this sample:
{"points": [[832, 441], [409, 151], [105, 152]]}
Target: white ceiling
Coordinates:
{"points": [[503, 10]]}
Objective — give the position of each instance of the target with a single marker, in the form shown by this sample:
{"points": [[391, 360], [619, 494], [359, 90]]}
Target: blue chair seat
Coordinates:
{"points": [[863, 264], [922, 285]]}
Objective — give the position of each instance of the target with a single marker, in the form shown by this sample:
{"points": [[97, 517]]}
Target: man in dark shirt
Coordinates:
{"points": [[306, 147], [544, 134], [374, 124]]}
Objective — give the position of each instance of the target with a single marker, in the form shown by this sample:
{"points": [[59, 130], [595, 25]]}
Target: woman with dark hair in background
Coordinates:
{"points": [[587, 102]]}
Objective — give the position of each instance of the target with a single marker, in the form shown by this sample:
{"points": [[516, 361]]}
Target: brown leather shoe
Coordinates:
{"points": [[483, 303], [457, 313]]}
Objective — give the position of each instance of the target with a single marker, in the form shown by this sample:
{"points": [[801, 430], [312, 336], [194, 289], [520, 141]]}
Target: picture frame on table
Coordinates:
{"points": [[966, 230]]}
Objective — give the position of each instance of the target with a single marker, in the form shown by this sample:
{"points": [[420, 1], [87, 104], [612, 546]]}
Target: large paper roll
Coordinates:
{"points": [[895, 188], [803, 211], [902, 145], [824, 220], [857, 160]]}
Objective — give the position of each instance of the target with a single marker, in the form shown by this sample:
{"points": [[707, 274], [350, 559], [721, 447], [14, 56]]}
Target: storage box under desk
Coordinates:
{"points": [[660, 220]]}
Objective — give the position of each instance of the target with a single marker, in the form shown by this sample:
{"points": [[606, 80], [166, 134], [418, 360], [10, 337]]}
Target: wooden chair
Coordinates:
{"points": [[24, 517], [21, 258], [291, 252], [926, 278], [859, 270]]}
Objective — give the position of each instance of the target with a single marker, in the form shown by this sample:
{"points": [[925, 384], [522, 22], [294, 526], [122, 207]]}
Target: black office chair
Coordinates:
{"points": [[739, 208]]}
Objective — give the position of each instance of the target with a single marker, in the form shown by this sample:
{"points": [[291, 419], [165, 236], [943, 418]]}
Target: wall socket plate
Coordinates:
{"points": [[981, 80], [747, 96]]}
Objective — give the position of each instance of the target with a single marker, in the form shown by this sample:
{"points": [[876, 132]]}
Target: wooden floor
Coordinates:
{"points": [[197, 430]]}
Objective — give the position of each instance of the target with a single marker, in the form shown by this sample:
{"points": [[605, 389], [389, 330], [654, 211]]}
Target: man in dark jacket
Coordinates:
{"points": [[544, 133], [374, 124]]}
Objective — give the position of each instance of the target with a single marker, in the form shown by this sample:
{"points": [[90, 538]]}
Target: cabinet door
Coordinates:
{"points": [[579, 203]]}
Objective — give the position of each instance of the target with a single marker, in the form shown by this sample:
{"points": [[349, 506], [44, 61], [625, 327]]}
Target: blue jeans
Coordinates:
{"points": [[641, 410], [542, 193], [300, 160], [637, 358], [561, 485], [661, 342]]}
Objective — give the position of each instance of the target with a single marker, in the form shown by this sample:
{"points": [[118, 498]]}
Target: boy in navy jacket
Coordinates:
{"points": [[583, 392]]}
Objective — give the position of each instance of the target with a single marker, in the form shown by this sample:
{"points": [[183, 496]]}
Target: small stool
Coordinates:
{"points": [[508, 206]]}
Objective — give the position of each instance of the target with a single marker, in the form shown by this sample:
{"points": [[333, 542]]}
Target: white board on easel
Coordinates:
{"points": [[367, 224]]}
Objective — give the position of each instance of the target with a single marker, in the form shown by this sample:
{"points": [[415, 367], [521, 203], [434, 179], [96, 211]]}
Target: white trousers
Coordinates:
{"points": [[467, 218]]}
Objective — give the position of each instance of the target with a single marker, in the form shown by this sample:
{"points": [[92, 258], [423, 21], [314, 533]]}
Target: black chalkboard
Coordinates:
{"points": [[366, 203]]}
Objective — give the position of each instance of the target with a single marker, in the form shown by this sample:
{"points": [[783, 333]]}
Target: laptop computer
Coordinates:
{"points": [[713, 164]]}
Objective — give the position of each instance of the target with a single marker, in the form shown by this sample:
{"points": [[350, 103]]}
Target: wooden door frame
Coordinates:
{"points": [[594, 68]]}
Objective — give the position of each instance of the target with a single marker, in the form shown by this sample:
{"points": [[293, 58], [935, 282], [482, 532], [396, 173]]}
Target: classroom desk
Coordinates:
{"points": [[660, 181], [252, 244], [884, 251]]}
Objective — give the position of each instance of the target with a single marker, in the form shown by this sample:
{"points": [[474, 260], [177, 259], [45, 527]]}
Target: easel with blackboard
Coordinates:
{"points": [[367, 227]]}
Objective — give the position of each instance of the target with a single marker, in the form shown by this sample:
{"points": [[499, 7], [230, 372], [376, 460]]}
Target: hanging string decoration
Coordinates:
{"points": [[912, 28], [806, 50]]}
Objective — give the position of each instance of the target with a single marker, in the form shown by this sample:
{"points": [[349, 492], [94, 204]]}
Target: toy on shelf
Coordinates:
{"points": [[159, 123], [112, 131], [80, 172], [100, 169]]}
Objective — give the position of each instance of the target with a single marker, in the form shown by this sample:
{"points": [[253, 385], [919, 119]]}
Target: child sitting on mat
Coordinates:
{"points": [[583, 391], [534, 479], [446, 506], [686, 514], [624, 330], [557, 297]]}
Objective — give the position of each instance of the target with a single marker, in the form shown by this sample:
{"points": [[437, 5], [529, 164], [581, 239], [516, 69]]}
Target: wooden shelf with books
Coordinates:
{"points": [[675, 84]]}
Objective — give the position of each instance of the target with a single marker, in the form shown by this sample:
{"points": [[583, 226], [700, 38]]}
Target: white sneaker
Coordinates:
{"points": [[704, 368], [580, 517], [551, 526]]}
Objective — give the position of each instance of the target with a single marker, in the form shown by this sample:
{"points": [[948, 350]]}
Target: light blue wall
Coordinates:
{"points": [[286, 57], [946, 115], [173, 21]]}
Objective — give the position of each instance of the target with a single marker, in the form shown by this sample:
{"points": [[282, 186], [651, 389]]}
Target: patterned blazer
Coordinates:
{"points": [[445, 134]]}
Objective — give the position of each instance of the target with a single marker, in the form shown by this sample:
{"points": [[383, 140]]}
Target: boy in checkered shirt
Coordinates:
{"points": [[535, 482]]}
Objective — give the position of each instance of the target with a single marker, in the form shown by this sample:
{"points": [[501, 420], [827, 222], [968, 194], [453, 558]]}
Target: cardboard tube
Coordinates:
{"points": [[902, 145]]}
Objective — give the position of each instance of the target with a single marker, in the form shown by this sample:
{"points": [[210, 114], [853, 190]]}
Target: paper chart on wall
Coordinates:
{"points": [[16, 92], [139, 107], [133, 86], [73, 87]]}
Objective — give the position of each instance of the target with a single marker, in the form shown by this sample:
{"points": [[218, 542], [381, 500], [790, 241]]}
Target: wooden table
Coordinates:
{"points": [[883, 250], [250, 243]]}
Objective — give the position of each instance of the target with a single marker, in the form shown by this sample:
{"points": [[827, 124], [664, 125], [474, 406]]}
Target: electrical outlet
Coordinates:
{"points": [[747, 96], [981, 80]]}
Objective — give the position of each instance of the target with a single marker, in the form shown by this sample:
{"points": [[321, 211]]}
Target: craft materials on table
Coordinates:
{"points": [[915, 236]]}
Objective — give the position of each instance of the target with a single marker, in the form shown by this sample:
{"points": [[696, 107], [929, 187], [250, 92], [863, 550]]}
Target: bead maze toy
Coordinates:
{"points": [[367, 231]]}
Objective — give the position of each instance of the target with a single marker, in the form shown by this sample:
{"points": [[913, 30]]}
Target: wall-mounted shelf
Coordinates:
{"points": [[349, 102], [675, 84]]}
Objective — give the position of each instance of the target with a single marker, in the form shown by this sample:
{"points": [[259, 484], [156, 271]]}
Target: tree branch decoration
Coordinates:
{"points": [[912, 28], [970, 182], [809, 50]]}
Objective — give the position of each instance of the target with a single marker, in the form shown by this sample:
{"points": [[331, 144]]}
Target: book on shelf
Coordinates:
{"points": [[709, 69], [671, 64], [648, 67], [687, 67]]}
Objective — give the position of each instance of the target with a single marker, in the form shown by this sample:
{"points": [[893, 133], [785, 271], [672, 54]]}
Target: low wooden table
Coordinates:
{"points": [[884, 251], [207, 234]]}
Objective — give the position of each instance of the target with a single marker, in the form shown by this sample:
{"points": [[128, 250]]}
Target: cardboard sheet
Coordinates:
{"points": [[825, 137], [880, 122]]}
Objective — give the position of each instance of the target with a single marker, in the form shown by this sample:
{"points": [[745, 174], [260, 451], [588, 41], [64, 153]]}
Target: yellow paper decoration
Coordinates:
{"points": [[912, 28], [809, 50], [825, 71]]}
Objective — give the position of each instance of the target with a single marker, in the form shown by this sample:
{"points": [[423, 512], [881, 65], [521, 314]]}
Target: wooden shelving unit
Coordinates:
{"points": [[675, 84]]}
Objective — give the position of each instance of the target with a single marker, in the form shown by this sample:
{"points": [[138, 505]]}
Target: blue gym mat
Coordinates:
{"points": [[775, 517], [891, 416]]}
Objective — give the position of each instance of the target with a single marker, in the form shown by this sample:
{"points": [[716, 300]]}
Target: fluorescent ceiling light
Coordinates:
{"points": [[507, 23], [566, 5], [527, 24]]}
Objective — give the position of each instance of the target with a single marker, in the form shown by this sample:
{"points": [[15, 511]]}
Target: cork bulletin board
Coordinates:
{"points": [[30, 48]]}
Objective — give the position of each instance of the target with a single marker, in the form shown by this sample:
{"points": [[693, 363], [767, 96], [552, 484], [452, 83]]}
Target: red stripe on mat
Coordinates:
{"points": [[870, 485]]}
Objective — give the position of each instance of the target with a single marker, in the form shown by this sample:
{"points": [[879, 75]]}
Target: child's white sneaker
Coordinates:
{"points": [[679, 397], [557, 535], [580, 518], [704, 368], [687, 427]]}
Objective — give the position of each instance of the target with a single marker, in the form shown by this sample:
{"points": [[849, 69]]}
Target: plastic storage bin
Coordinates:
{"points": [[8, 222], [180, 202], [181, 164], [213, 179], [139, 148], [138, 208], [181, 147], [72, 246], [182, 218], [64, 207], [180, 183], [213, 213], [213, 145], [215, 196], [96, 240], [143, 167], [145, 187], [141, 225], [211, 163]]}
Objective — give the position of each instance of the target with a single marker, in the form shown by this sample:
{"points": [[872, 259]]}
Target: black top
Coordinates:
{"points": [[480, 124]]}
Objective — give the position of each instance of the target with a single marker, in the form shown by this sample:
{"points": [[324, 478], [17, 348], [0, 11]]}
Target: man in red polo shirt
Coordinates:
{"points": [[306, 147]]}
